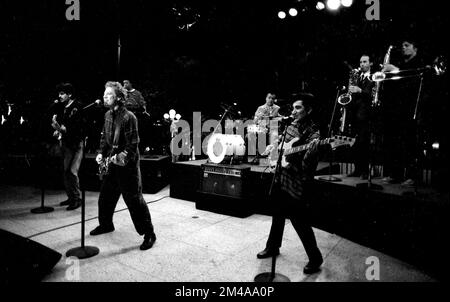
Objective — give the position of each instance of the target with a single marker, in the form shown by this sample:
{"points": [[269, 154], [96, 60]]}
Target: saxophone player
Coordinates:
{"points": [[358, 115]]}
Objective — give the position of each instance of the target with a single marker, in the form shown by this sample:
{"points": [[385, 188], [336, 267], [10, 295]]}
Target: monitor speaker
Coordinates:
{"points": [[22, 259]]}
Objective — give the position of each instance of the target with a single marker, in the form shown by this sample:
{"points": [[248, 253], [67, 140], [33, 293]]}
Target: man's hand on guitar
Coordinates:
{"points": [[99, 158], [119, 159]]}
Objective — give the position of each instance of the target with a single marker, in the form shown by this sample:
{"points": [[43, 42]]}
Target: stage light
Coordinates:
{"points": [[333, 4], [320, 5], [166, 116], [293, 12], [177, 116], [435, 146], [3, 119], [172, 113], [21, 120], [346, 3], [281, 15]]}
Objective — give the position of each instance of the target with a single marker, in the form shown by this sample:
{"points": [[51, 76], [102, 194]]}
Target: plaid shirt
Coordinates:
{"points": [[128, 134], [302, 165]]}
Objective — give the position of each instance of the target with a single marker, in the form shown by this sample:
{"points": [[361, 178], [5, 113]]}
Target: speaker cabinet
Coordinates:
{"points": [[225, 180], [224, 190], [22, 259]]}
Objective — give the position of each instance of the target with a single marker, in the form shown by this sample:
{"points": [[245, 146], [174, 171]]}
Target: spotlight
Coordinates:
{"points": [[166, 116], [177, 116], [172, 113], [333, 4], [346, 3], [320, 5], [293, 12], [281, 15], [435, 146]]}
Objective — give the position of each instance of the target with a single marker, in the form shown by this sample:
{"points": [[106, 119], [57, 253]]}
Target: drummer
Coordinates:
{"points": [[265, 114], [267, 111]]}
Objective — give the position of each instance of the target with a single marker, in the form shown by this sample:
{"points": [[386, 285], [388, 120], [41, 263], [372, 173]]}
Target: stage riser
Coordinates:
{"points": [[408, 228]]}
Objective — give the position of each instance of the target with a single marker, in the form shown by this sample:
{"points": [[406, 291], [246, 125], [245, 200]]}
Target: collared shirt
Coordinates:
{"points": [[265, 111], [302, 165], [128, 138]]}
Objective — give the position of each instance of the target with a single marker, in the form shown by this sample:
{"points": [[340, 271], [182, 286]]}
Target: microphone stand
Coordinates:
{"points": [[330, 177], [43, 209], [416, 126], [272, 276], [83, 251]]}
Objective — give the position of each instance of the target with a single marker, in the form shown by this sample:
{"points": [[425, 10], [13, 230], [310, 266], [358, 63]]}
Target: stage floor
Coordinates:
{"points": [[192, 245]]}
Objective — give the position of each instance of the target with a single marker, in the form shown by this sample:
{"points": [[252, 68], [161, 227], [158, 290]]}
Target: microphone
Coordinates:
{"points": [[97, 102], [287, 119]]}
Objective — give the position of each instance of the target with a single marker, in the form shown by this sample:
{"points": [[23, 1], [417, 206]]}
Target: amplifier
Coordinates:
{"points": [[225, 180]]}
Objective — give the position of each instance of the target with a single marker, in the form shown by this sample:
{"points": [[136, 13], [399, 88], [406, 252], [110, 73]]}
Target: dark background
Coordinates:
{"points": [[235, 51]]}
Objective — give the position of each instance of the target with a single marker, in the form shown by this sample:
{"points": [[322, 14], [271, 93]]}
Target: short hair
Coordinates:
{"points": [[410, 40], [118, 89], [65, 88], [366, 55], [306, 98]]}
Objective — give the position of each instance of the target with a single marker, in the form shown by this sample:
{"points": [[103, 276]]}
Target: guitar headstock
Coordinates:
{"points": [[339, 140]]}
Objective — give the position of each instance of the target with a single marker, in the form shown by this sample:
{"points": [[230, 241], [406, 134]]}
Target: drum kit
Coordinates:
{"points": [[226, 148]]}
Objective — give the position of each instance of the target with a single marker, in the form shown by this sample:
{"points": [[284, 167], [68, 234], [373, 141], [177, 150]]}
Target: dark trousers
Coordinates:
{"points": [[361, 148], [72, 160], [297, 212], [125, 181]]}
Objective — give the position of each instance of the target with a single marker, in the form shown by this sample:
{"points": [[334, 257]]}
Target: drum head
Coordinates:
{"points": [[217, 148]]}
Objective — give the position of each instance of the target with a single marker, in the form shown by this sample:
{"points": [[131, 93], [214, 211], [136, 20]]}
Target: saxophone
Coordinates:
{"points": [[376, 87], [346, 98]]}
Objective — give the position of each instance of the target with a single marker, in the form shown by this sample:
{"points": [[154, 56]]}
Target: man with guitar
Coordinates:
{"points": [[68, 125], [119, 156], [294, 181]]}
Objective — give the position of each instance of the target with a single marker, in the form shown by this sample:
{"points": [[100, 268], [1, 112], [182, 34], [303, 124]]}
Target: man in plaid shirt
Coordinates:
{"points": [[294, 182], [119, 142]]}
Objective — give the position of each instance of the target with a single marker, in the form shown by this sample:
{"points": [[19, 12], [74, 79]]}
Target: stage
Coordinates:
{"points": [[208, 237], [400, 221]]}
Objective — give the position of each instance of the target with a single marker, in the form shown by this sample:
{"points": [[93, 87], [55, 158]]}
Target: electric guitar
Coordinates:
{"points": [[57, 127], [105, 164], [334, 142]]}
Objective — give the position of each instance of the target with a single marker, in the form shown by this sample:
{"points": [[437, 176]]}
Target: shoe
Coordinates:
{"points": [[149, 240], [268, 253], [390, 180], [65, 202], [313, 266], [101, 230], [74, 205], [408, 183]]}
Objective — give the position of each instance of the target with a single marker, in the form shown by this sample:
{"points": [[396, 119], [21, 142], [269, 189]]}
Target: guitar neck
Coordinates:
{"points": [[300, 148]]}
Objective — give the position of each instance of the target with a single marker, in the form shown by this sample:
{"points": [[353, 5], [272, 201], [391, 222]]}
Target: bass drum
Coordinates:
{"points": [[222, 147]]}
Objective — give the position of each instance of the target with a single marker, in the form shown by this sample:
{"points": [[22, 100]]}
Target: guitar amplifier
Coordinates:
{"points": [[225, 180]]}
